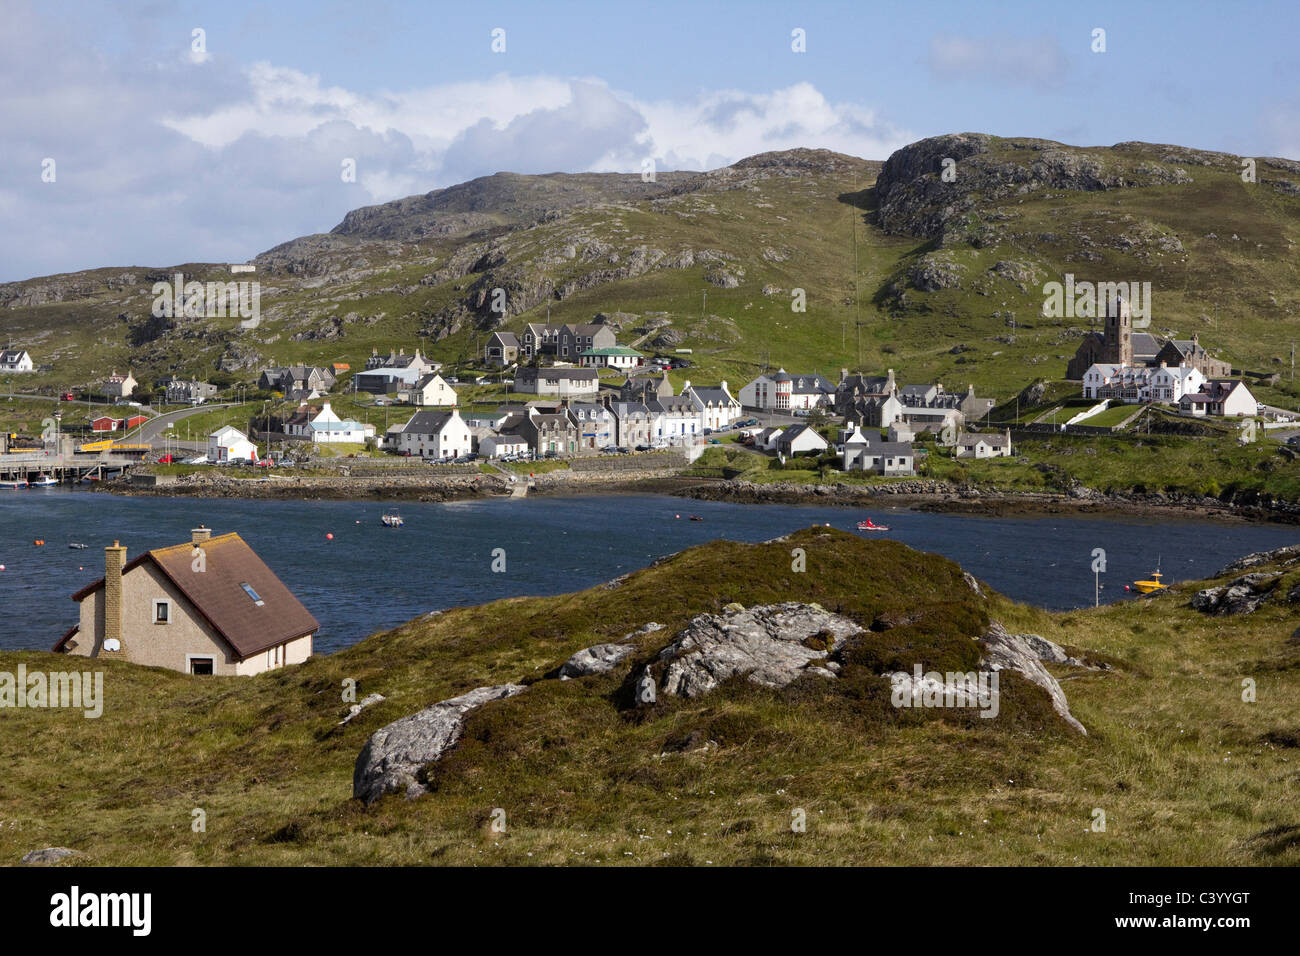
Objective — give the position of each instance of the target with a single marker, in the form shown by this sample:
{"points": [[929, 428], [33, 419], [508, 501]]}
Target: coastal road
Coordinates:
{"points": [[155, 430]]}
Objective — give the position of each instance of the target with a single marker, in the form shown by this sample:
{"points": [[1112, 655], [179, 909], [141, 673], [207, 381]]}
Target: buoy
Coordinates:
{"points": [[2, 567], [676, 516], [329, 537]]}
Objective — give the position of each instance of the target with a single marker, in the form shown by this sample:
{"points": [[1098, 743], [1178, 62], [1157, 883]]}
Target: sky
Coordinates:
{"points": [[150, 133]]}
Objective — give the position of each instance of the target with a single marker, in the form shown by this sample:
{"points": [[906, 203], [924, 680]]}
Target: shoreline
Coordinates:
{"points": [[918, 495]]}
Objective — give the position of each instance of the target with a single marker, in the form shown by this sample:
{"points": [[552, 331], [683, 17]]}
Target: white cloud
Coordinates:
{"points": [[160, 162]]}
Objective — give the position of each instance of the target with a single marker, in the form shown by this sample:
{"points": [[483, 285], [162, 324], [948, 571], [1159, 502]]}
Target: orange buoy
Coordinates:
{"points": [[329, 537]]}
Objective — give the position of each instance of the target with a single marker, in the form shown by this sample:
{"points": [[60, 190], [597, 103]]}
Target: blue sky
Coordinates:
{"points": [[164, 154]]}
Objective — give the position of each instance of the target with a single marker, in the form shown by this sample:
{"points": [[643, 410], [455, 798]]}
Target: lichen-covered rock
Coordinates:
{"points": [[393, 756], [1003, 651], [771, 644], [597, 659]]}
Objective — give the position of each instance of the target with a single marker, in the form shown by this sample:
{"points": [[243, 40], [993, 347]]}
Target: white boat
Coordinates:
{"points": [[45, 481], [392, 519], [20, 483]]}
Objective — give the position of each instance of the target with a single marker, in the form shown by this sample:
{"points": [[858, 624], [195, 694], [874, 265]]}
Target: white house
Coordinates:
{"points": [[800, 440], [431, 389], [716, 406], [119, 386], [327, 428], [1219, 396], [767, 438], [1134, 384], [230, 444], [674, 419], [617, 356], [971, 445], [435, 435], [881, 457], [557, 382], [781, 391], [16, 360], [497, 446]]}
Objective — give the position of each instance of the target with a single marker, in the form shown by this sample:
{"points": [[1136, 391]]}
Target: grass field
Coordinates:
{"points": [[1185, 771]]}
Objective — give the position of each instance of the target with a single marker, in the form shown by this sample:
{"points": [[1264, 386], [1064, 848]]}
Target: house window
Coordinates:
{"points": [[200, 665], [248, 589], [162, 611]]}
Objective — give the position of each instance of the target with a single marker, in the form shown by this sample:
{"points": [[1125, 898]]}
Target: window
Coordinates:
{"points": [[201, 665], [162, 611], [248, 589]]}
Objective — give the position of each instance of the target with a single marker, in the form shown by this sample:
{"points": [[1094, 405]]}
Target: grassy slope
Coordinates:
{"points": [[1177, 761]]}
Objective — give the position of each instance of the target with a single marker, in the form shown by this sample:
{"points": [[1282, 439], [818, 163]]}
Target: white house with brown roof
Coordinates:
{"points": [[209, 606]]}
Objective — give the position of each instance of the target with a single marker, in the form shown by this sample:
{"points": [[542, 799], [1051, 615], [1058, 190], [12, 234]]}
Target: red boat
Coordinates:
{"points": [[870, 525]]}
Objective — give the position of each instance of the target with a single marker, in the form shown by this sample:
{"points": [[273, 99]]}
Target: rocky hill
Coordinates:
{"points": [[938, 275]]}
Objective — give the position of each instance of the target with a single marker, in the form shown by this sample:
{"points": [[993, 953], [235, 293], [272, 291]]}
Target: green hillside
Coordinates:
{"points": [[941, 280], [1185, 770]]}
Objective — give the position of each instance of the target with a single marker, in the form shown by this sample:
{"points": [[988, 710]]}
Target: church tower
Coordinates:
{"points": [[1117, 339]]}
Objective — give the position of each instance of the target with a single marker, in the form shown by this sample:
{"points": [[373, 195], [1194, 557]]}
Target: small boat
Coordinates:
{"points": [[1151, 586], [44, 481], [20, 483], [90, 478], [392, 519], [696, 518], [869, 525], [76, 546]]}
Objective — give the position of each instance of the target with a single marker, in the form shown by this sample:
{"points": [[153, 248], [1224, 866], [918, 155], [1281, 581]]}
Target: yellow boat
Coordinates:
{"points": [[1150, 587]]}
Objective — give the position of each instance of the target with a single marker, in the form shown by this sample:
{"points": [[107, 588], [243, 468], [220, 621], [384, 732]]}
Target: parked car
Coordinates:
{"points": [[640, 448], [165, 460]]}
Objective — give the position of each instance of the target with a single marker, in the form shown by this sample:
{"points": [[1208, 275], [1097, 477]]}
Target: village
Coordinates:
{"points": [[568, 391]]}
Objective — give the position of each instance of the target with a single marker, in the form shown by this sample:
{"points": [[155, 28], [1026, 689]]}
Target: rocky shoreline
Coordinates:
{"points": [[919, 494], [938, 496]]}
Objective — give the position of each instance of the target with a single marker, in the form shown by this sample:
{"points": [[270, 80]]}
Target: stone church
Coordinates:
{"points": [[1118, 344]]}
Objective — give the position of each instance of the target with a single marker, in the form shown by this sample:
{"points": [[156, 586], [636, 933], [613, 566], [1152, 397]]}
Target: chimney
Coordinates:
{"points": [[200, 534], [844, 374], [889, 382], [114, 561]]}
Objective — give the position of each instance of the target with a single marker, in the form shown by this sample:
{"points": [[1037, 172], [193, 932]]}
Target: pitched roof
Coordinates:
{"points": [[217, 593], [889, 448], [427, 422]]}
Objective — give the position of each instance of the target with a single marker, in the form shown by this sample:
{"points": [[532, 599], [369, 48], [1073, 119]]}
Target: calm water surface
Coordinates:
{"points": [[371, 578]]}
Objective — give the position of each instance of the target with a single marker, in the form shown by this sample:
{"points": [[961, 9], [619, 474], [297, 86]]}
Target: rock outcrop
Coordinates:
{"points": [[771, 644], [1240, 596], [49, 855], [598, 659], [392, 758], [1003, 651]]}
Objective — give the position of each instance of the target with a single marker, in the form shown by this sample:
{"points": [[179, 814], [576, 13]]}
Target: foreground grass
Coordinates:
{"points": [[1185, 771]]}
